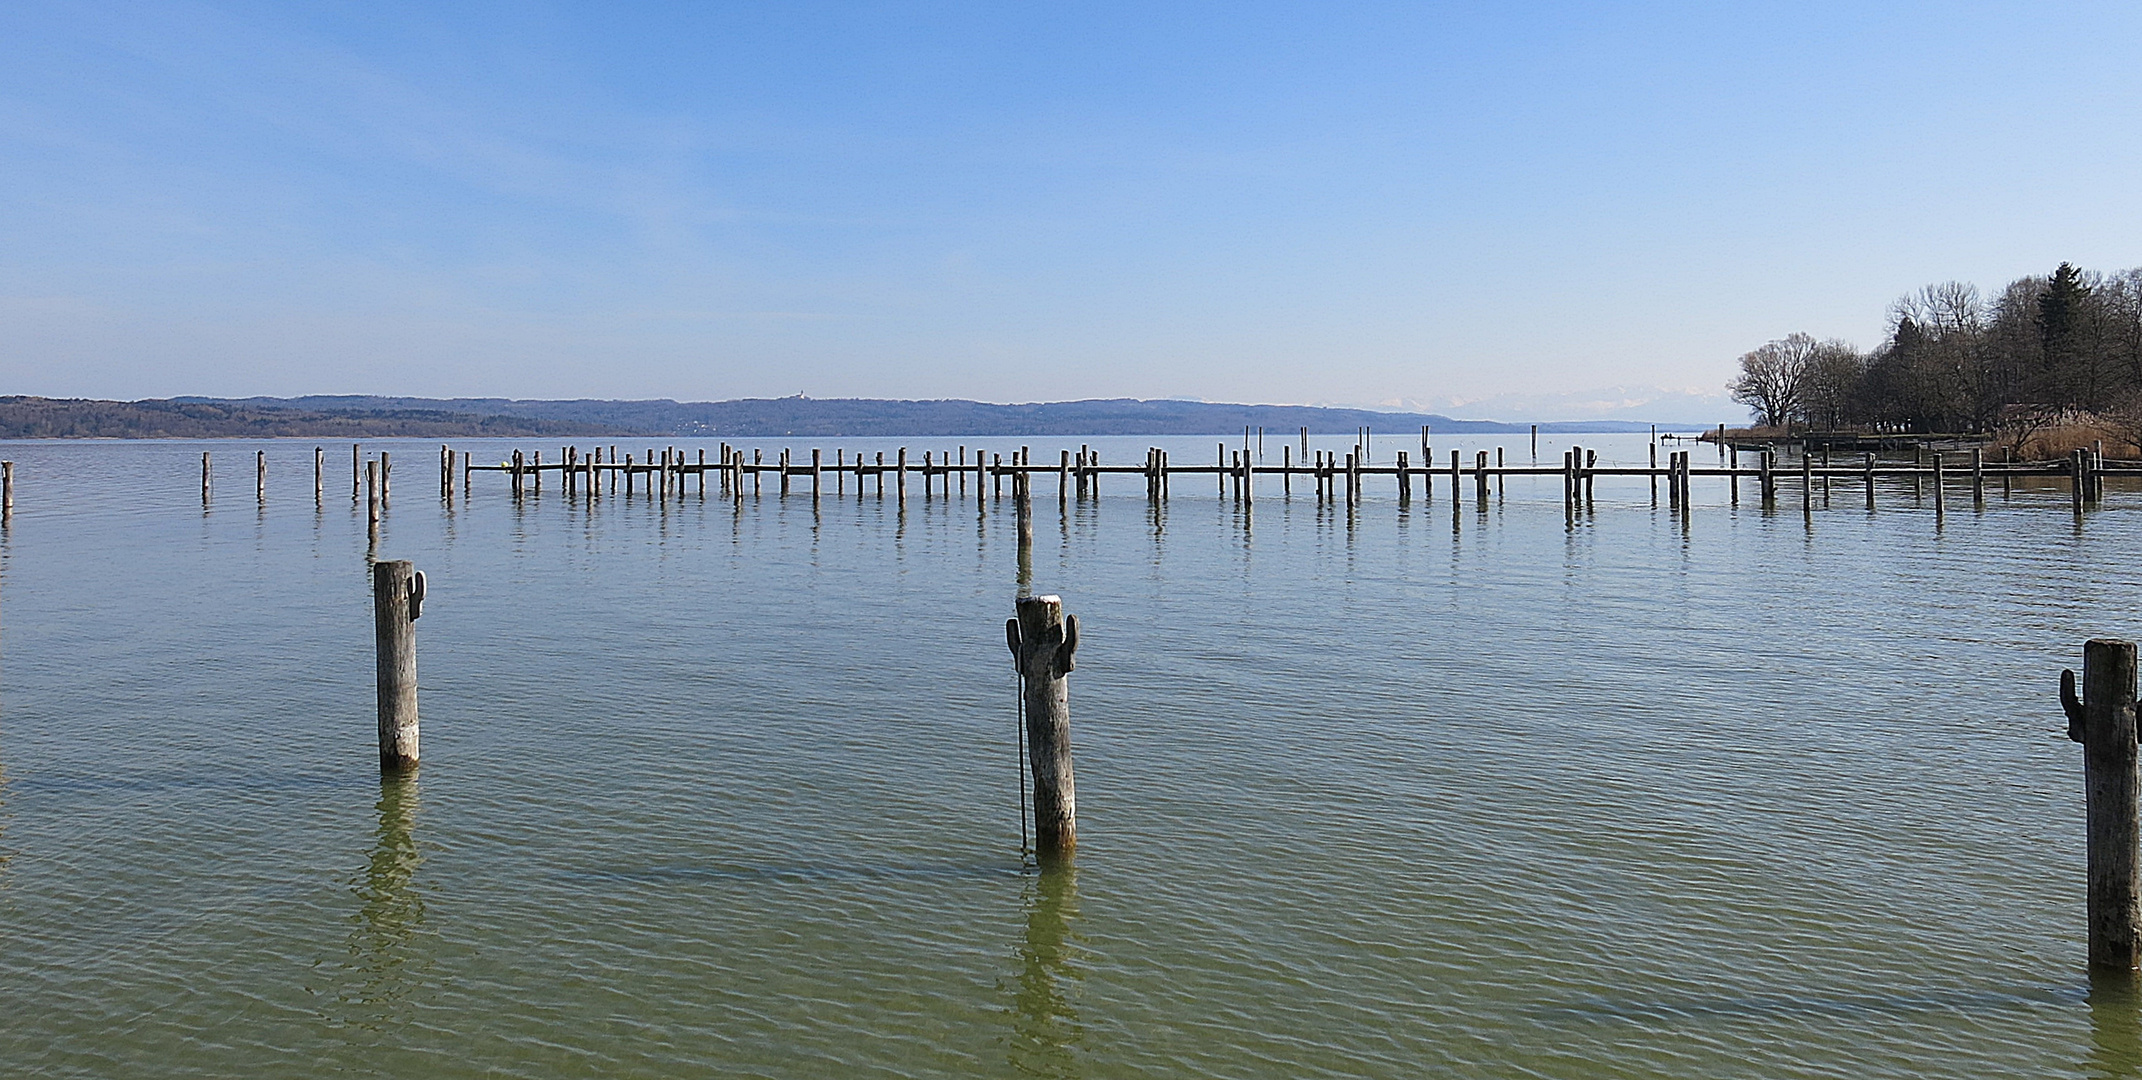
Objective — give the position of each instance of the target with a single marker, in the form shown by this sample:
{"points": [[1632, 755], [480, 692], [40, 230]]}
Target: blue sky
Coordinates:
{"points": [[1354, 203]]}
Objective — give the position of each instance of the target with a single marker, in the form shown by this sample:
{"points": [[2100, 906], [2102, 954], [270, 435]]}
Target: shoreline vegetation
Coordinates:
{"points": [[356, 416], [2048, 365]]}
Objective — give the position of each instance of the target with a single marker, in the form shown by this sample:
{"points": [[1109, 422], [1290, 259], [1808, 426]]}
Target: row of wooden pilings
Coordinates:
{"points": [[669, 472], [1334, 476], [1043, 641]]}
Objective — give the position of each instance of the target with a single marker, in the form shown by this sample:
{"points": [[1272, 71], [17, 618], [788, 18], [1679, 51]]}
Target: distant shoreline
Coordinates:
{"points": [[797, 417]]}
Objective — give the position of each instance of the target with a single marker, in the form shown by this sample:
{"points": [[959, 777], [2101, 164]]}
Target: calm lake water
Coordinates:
{"points": [[721, 789]]}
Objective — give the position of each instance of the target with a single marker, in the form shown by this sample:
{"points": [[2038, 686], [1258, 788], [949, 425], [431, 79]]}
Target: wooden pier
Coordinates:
{"points": [[1234, 472]]}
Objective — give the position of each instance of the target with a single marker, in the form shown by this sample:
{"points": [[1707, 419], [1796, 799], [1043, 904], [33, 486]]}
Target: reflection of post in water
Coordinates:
{"points": [[1045, 1023], [383, 949], [2115, 1026]]}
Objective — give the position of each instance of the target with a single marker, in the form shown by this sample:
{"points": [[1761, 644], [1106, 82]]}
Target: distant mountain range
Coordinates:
{"points": [[361, 416]]}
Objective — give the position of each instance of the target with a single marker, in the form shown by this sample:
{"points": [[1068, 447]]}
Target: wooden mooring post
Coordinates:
{"points": [[204, 478], [2103, 721], [397, 602], [7, 490], [319, 474], [371, 492], [260, 476], [1043, 641]]}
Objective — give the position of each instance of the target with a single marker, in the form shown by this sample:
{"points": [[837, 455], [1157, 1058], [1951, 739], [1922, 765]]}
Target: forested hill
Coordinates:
{"points": [[825, 417], [82, 418]]}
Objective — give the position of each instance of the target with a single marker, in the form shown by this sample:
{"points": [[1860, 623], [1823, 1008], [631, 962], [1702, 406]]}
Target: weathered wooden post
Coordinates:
{"points": [[1591, 474], [901, 479], [1978, 476], [1043, 641], [1535, 442], [319, 474], [204, 478], [1673, 479], [1940, 499], [371, 492], [1480, 475], [386, 478], [2075, 480], [7, 489], [1405, 480], [260, 476], [397, 601], [1769, 479], [356, 472], [2103, 721], [1869, 473], [1670, 501], [1807, 479], [1023, 508]]}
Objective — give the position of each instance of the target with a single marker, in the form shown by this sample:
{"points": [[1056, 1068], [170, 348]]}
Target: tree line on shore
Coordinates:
{"points": [[2046, 351]]}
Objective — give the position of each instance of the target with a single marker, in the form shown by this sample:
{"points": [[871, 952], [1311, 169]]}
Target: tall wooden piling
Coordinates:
{"points": [[1978, 476], [1405, 480], [1480, 475], [2103, 721], [1940, 499], [397, 601], [204, 478], [356, 472], [260, 476], [371, 492], [1023, 509], [7, 489], [2075, 480], [1767, 464], [1043, 641]]}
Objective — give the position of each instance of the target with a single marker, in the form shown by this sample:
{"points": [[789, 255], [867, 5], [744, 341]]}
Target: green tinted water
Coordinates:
{"points": [[729, 790]]}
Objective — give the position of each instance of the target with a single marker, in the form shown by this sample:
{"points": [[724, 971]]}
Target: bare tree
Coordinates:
{"points": [[1773, 379], [1831, 391]]}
